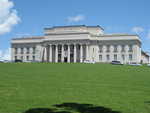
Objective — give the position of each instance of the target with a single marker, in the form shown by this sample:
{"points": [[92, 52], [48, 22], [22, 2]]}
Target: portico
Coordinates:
{"points": [[76, 52]]}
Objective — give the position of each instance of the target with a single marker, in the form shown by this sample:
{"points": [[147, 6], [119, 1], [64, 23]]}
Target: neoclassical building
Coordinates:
{"points": [[77, 44]]}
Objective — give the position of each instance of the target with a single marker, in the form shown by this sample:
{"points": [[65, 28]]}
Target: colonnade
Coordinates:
{"points": [[65, 53]]}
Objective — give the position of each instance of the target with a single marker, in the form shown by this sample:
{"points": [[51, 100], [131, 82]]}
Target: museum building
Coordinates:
{"points": [[78, 43]]}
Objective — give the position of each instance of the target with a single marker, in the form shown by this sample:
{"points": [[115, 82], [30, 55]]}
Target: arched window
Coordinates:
{"points": [[28, 50], [130, 57], [33, 50], [130, 48], [123, 48], [100, 48], [16, 50], [108, 57], [115, 48], [108, 48], [21, 50], [27, 58], [33, 57], [115, 57], [123, 57], [100, 58]]}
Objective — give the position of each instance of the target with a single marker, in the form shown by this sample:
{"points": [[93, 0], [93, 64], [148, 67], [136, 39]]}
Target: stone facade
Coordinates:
{"points": [[77, 44]]}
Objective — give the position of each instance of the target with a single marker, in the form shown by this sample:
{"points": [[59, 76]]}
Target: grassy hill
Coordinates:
{"points": [[121, 88]]}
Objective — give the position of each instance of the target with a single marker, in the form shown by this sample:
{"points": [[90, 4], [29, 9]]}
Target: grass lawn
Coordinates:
{"points": [[122, 88]]}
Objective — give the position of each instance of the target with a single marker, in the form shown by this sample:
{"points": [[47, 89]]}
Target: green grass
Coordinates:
{"points": [[122, 88]]}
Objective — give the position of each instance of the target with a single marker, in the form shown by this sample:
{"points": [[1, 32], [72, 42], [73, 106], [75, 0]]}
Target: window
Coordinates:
{"points": [[22, 58], [33, 58], [66, 47], [28, 49], [115, 57], [108, 48], [27, 58], [130, 57], [123, 48], [33, 50], [100, 48], [93, 50], [100, 57], [15, 57], [115, 48], [71, 49], [21, 50], [130, 48], [108, 57], [16, 50], [59, 48], [123, 57]]}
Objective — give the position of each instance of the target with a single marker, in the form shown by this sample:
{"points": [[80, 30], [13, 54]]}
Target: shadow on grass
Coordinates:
{"points": [[44, 110], [71, 108], [147, 102]]}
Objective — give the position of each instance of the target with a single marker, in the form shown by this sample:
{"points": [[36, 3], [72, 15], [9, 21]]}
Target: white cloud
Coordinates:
{"points": [[76, 18], [5, 54], [137, 29], [8, 16]]}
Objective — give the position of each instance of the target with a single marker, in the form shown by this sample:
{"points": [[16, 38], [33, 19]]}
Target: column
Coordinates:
{"points": [[31, 53], [45, 54], [56, 54], [62, 53], [50, 53], [87, 52], [81, 53], [75, 53], [12, 54], [127, 54], [119, 53], [24, 52], [42, 54], [68, 54]]}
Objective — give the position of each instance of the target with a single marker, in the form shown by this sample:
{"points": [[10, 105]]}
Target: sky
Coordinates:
{"points": [[29, 17]]}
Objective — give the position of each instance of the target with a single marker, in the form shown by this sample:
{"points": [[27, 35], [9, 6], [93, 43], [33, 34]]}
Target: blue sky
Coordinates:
{"points": [[115, 16]]}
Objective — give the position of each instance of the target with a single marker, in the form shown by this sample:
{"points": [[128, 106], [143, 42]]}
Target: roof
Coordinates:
{"points": [[72, 26], [118, 35]]}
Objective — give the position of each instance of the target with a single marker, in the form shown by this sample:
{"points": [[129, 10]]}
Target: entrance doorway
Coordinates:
{"points": [[65, 59], [71, 58]]}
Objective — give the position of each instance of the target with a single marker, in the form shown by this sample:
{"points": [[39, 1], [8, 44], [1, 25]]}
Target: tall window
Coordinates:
{"points": [[71, 49], [130, 57], [15, 57], [93, 50], [21, 50], [123, 48], [115, 57], [28, 50], [115, 48], [100, 48], [100, 57], [27, 58], [123, 57], [33, 58], [108, 48], [130, 48], [108, 57], [16, 50], [22, 58], [34, 50], [59, 49]]}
